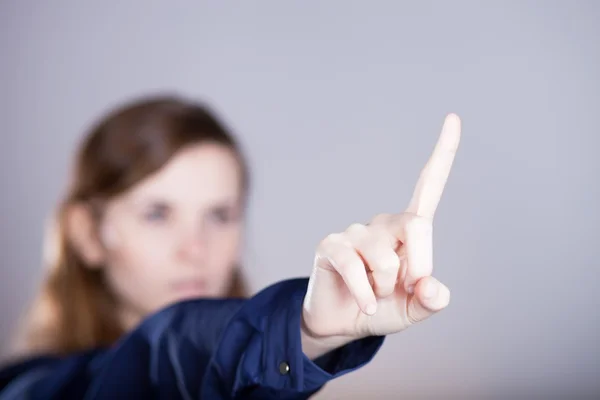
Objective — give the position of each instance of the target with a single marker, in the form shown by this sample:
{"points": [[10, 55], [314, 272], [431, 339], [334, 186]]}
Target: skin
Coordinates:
{"points": [[375, 279], [167, 239], [176, 235]]}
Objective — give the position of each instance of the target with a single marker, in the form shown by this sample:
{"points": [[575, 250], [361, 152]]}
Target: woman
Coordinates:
{"points": [[145, 297]]}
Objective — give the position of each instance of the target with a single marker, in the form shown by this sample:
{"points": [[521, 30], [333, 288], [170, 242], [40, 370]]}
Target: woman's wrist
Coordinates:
{"points": [[315, 346]]}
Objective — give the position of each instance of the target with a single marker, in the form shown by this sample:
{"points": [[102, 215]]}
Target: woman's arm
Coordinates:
{"points": [[261, 355], [213, 349]]}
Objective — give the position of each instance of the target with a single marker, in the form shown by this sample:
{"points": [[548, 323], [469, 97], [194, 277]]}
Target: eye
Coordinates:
{"points": [[157, 212], [223, 215]]}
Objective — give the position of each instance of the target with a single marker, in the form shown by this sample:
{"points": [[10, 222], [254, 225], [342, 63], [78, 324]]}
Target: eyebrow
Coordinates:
{"points": [[144, 202]]}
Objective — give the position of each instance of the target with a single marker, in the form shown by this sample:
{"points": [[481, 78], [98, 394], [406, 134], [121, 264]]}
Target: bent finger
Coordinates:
{"points": [[346, 261], [431, 296]]}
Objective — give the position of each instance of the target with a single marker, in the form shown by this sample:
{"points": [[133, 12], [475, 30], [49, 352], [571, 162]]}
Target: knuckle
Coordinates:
{"points": [[356, 228], [344, 260], [333, 238], [328, 242], [384, 236], [387, 264], [383, 256], [381, 218], [393, 261]]}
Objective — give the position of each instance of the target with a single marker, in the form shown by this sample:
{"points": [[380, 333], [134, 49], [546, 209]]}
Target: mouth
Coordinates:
{"points": [[190, 288]]}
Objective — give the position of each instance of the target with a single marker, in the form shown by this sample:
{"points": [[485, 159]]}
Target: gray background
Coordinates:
{"points": [[339, 104]]}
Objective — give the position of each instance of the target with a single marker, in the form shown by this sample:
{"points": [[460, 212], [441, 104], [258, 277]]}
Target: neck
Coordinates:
{"points": [[129, 318]]}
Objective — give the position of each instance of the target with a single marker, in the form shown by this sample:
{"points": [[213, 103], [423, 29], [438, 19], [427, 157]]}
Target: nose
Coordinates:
{"points": [[193, 247]]}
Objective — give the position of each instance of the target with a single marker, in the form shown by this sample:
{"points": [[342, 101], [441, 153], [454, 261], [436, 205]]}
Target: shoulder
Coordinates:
{"points": [[14, 368], [40, 376], [170, 350]]}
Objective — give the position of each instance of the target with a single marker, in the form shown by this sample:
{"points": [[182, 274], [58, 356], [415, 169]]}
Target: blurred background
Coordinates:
{"points": [[338, 105]]}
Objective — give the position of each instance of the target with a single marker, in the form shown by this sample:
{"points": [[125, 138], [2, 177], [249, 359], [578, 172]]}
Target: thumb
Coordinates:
{"points": [[430, 297]]}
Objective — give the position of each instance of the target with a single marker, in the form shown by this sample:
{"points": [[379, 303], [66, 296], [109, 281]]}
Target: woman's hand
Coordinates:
{"points": [[375, 279]]}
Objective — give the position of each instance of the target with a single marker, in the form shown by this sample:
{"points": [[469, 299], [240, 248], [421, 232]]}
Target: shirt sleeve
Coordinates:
{"points": [[199, 349], [261, 355]]}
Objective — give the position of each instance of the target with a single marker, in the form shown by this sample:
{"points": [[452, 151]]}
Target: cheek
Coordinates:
{"points": [[136, 245], [227, 243], [143, 257], [224, 250], [136, 271]]}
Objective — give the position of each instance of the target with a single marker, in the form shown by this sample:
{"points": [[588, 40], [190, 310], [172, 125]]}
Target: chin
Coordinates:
{"points": [[192, 289], [192, 295]]}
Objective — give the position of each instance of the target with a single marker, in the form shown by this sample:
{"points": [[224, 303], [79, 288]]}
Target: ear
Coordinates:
{"points": [[82, 232]]}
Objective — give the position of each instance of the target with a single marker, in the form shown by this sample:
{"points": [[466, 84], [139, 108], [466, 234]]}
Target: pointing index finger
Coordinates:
{"points": [[434, 175]]}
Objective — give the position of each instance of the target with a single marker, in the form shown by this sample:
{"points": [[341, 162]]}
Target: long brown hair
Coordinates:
{"points": [[74, 310]]}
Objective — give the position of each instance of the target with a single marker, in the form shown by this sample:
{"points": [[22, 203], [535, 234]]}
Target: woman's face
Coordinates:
{"points": [[176, 235]]}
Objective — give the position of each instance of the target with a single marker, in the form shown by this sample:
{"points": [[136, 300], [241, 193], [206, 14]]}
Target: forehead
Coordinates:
{"points": [[204, 172]]}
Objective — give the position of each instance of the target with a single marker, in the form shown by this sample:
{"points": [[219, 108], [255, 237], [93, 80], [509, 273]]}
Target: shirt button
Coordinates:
{"points": [[284, 368]]}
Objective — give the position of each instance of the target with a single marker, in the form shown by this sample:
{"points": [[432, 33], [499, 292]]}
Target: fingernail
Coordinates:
{"points": [[371, 308], [410, 289], [430, 290]]}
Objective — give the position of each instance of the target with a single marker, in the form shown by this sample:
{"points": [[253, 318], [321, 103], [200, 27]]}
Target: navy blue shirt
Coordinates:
{"points": [[197, 349]]}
